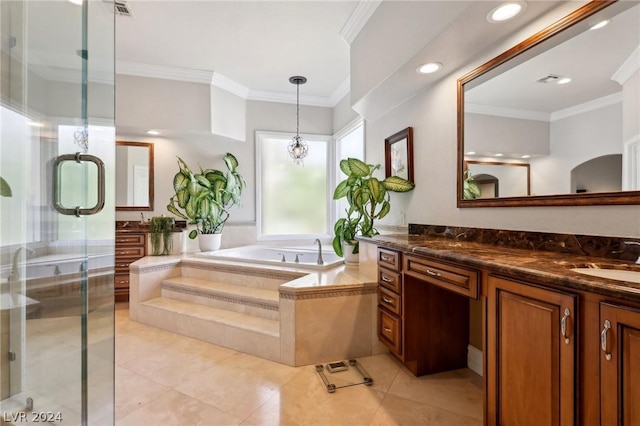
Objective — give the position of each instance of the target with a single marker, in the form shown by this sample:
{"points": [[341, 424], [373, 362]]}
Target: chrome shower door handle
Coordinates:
{"points": [[57, 184]]}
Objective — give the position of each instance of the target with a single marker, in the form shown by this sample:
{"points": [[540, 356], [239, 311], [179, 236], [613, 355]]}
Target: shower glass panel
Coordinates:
{"points": [[57, 212]]}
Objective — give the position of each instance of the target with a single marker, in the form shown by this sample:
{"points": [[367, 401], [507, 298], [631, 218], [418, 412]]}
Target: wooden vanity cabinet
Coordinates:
{"points": [[390, 301], [130, 247], [423, 322], [619, 365], [531, 354]]}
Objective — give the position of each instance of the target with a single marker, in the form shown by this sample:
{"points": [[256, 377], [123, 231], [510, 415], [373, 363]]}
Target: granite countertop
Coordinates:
{"points": [[537, 265]]}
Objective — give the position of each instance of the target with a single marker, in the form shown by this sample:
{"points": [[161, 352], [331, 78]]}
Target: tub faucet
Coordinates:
{"points": [[320, 261], [14, 275]]}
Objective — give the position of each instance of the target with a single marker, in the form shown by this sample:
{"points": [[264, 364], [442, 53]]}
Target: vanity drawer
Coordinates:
{"points": [[389, 259], [130, 239], [389, 331], [451, 277], [121, 281], [389, 300], [123, 263], [390, 279], [129, 251]]}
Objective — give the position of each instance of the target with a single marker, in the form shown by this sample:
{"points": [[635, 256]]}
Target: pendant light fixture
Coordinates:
{"points": [[298, 149]]}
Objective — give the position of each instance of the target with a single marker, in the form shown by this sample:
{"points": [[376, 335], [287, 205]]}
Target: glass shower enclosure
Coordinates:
{"points": [[57, 214]]}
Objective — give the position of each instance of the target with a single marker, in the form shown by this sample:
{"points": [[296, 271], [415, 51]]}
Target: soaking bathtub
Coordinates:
{"points": [[307, 257]]}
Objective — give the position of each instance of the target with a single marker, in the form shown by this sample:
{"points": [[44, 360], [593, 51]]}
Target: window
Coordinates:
{"points": [[349, 143], [293, 202]]}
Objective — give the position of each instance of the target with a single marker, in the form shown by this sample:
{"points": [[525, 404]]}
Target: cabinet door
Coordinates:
{"points": [[619, 365], [530, 355]]}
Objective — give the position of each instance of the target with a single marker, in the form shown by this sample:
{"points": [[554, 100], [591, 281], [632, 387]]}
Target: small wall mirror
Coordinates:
{"points": [[565, 104], [134, 177]]}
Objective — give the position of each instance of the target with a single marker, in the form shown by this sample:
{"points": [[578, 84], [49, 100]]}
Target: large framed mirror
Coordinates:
{"points": [[134, 176], [565, 102]]}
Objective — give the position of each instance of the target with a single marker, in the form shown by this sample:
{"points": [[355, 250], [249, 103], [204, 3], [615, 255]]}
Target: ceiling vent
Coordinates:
{"points": [[551, 78], [120, 7]]}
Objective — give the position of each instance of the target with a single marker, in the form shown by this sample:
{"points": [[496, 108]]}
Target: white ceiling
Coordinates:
{"points": [[257, 44]]}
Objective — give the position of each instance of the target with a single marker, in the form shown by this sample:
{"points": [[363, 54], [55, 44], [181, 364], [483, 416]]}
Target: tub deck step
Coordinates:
{"points": [[235, 330], [250, 300]]}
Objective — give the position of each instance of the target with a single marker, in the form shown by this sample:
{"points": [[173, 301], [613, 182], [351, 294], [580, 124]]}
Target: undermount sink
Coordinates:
{"points": [[611, 274]]}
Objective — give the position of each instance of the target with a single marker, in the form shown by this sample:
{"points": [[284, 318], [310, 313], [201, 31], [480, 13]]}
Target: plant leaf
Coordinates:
{"points": [[341, 190], [172, 208], [193, 234], [180, 182], [337, 245], [231, 161], [203, 181], [344, 166], [397, 184], [5, 189], [386, 207], [183, 198], [358, 168], [375, 188]]}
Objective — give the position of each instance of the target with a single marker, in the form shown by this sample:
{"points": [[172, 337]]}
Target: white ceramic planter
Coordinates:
{"points": [[209, 242], [349, 257]]}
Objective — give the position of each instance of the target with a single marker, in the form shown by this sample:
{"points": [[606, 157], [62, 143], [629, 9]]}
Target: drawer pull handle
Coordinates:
{"points": [[386, 279], [563, 325], [603, 340], [386, 258], [387, 329], [386, 300], [435, 274]]}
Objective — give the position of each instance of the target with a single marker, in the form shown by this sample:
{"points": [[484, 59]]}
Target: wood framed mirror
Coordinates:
{"points": [[134, 176], [517, 108]]}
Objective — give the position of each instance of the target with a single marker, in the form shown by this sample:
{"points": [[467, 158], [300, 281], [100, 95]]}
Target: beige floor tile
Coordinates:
{"points": [[459, 391], [133, 391], [174, 408], [400, 411], [239, 384], [305, 401], [163, 378]]}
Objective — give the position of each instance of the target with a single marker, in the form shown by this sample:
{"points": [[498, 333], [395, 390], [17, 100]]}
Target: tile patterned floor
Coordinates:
{"points": [[164, 378]]}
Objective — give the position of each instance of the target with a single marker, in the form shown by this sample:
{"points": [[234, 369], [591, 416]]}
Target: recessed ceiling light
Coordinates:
{"points": [[599, 25], [471, 153], [564, 80], [153, 132], [506, 11], [78, 2], [429, 68], [498, 155], [526, 156]]}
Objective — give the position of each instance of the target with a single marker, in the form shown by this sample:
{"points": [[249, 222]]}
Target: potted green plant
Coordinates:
{"points": [[161, 235], [204, 199], [368, 199]]}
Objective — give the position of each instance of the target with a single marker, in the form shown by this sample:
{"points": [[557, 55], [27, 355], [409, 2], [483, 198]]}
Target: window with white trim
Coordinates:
{"points": [[293, 201], [349, 143]]}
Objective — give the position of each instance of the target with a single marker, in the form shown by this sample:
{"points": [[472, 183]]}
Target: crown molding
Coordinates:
{"points": [[630, 66], [229, 85], [587, 106], [340, 92], [286, 98], [506, 112], [225, 83], [358, 19], [164, 72]]}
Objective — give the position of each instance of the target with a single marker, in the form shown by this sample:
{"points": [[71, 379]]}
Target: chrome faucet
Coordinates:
{"points": [[320, 261], [14, 275]]}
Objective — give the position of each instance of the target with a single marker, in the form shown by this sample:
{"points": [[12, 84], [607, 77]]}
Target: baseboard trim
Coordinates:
{"points": [[474, 359]]}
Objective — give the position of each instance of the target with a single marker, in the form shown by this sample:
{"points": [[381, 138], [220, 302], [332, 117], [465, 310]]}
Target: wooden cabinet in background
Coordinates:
{"points": [[619, 365], [130, 247], [530, 355]]}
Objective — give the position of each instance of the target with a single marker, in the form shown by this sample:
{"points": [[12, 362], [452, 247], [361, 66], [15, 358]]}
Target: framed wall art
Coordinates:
{"points": [[398, 154]]}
